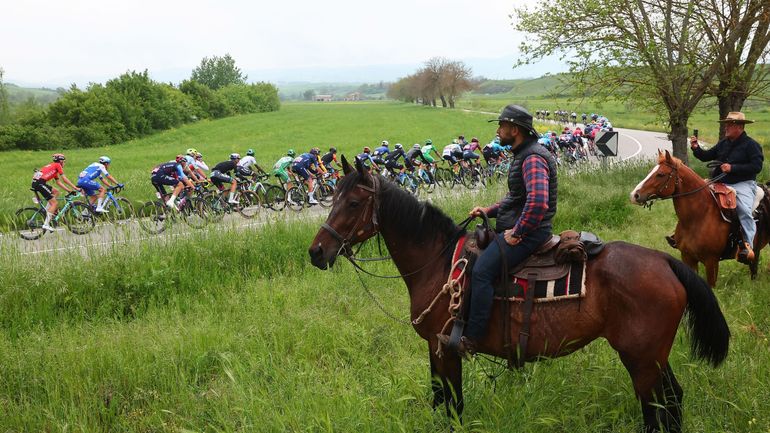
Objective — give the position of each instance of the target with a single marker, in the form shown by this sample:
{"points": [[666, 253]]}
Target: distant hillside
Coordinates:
{"points": [[298, 91], [552, 86], [43, 96]]}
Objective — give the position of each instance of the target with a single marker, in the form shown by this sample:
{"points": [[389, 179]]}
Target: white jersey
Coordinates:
{"points": [[450, 149], [201, 165], [247, 162]]}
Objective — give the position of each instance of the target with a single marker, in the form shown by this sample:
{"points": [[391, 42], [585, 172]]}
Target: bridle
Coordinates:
{"points": [[369, 220], [674, 174]]}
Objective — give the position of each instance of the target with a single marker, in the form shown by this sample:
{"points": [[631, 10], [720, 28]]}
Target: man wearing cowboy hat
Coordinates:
{"points": [[741, 159], [524, 218]]}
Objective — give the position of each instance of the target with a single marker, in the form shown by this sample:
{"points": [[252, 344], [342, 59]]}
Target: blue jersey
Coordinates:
{"points": [[171, 168], [306, 160], [93, 171], [366, 159], [381, 151]]}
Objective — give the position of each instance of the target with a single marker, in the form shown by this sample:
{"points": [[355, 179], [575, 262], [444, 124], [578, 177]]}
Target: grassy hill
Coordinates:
{"points": [[43, 96]]}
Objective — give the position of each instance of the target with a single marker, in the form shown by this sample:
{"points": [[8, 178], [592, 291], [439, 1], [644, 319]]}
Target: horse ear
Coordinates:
{"points": [[668, 156], [346, 168], [360, 166]]}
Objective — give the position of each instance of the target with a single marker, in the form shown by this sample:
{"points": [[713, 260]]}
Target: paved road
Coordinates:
{"points": [[632, 144]]}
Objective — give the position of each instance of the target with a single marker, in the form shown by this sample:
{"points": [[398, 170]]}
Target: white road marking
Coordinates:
{"points": [[638, 147]]}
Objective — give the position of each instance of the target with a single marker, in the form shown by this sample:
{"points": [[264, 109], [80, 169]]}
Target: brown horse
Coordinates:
{"points": [[701, 234], [635, 298]]}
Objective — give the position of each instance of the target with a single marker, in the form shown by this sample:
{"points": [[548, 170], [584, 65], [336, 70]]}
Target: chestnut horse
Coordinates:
{"points": [[701, 234], [635, 298]]}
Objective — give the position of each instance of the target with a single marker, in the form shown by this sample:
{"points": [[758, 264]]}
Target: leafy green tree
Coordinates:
{"points": [[308, 95], [653, 52], [218, 72]]}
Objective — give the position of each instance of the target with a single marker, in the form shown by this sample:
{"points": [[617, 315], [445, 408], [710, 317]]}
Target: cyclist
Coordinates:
{"points": [[171, 173], [220, 175], [282, 168], [410, 160], [391, 161], [469, 151], [245, 164], [427, 150], [584, 117], [200, 164], [451, 153], [329, 160], [367, 160], [381, 152], [492, 152], [54, 170], [87, 182], [191, 169], [305, 165]]}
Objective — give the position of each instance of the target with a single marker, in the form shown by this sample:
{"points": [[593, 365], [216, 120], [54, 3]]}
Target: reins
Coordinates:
{"points": [[651, 200]]}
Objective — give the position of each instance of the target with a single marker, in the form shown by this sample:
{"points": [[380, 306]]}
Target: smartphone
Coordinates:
{"points": [[695, 133]]}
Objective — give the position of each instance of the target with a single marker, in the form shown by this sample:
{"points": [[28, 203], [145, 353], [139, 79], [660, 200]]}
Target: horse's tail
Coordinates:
{"points": [[709, 334]]}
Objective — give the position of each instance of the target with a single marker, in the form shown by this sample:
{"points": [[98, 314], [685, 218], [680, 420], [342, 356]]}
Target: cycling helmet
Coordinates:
{"points": [[191, 151], [367, 150], [315, 151], [333, 149], [181, 159], [385, 143], [291, 152], [198, 155], [416, 146], [399, 146], [104, 160], [58, 157], [474, 139], [250, 152], [235, 156], [461, 137], [428, 141]]}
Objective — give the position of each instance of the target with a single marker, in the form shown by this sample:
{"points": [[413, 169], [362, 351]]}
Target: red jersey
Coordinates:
{"points": [[50, 171]]}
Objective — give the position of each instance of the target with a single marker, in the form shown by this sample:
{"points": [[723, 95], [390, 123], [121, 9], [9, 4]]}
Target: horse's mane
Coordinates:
{"points": [[679, 165], [415, 219], [676, 161]]}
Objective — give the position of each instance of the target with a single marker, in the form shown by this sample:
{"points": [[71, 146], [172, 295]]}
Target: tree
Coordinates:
{"points": [[308, 95], [5, 112], [648, 51], [740, 76], [218, 72]]}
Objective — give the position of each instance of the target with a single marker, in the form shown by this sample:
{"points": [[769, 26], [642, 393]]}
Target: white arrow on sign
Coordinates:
{"points": [[607, 142]]}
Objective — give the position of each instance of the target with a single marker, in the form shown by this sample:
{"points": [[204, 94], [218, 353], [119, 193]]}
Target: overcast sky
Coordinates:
{"points": [[57, 42]]}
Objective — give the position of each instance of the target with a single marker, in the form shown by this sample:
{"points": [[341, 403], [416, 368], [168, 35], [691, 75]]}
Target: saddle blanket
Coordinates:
{"points": [[572, 285]]}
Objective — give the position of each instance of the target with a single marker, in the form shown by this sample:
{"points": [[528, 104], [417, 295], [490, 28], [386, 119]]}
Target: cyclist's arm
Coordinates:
{"points": [[63, 178]]}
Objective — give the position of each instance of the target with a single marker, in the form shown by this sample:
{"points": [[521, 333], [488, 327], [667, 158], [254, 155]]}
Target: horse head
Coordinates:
{"points": [[352, 219], [661, 182]]}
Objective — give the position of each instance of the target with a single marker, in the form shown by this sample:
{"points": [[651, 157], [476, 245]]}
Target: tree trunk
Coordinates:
{"points": [[443, 100], [451, 101], [729, 101], [679, 134]]}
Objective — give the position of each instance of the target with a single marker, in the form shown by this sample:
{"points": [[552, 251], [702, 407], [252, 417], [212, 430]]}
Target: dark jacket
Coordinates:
{"points": [[744, 156], [513, 203]]}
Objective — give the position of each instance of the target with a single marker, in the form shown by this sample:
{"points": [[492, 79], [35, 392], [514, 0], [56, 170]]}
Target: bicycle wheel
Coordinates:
{"points": [[275, 198], [153, 217], [120, 212], [196, 212], [28, 222], [216, 205], [249, 204], [295, 198], [325, 195], [79, 218]]}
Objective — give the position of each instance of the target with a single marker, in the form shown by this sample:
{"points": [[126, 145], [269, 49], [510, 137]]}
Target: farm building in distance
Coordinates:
{"points": [[322, 98]]}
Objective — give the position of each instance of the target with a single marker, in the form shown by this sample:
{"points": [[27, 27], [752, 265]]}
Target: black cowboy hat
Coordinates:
{"points": [[517, 115]]}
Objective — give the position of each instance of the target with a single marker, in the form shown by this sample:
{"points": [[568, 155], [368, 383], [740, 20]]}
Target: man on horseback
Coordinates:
{"points": [[741, 159], [524, 217]]}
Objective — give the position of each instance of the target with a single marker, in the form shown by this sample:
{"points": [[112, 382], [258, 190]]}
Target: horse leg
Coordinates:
{"points": [[447, 387], [659, 394], [712, 271]]}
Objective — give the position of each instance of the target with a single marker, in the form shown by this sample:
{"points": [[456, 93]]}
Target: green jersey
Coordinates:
{"points": [[282, 163]]}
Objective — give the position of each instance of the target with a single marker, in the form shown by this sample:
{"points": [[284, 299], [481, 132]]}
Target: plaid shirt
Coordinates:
{"points": [[535, 173]]}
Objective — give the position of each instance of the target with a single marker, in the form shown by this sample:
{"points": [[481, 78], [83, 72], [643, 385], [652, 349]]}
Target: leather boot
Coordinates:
{"points": [[671, 241], [745, 253], [466, 348]]}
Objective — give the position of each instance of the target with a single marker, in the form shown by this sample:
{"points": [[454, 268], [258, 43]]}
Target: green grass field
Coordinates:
{"points": [[234, 331]]}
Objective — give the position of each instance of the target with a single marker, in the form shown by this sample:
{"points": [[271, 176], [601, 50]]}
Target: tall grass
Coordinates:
{"points": [[233, 330]]}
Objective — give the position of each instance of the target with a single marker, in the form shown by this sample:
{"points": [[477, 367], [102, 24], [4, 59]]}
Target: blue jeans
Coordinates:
{"points": [[486, 271], [745, 192]]}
